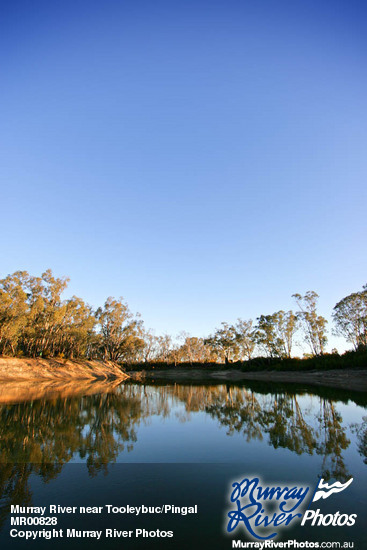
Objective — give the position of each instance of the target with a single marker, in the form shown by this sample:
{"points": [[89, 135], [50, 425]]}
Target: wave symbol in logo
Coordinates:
{"points": [[323, 490]]}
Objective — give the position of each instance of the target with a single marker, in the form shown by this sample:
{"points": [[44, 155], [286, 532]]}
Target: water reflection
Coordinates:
{"points": [[281, 419], [98, 428], [361, 431], [94, 428], [40, 435]]}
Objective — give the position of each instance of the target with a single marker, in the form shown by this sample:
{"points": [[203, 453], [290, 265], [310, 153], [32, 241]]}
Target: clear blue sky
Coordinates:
{"points": [[203, 159]]}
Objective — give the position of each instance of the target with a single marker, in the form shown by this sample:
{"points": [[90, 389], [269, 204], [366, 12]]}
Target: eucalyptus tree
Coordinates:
{"points": [[118, 329], [13, 310], [224, 342], [288, 324], [46, 313], [164, 347], [36, 321], [77, 333], [314, 325], [267, 335], [150, 347], [245, 335], [350, 318], [193, 349], [275, 333]]}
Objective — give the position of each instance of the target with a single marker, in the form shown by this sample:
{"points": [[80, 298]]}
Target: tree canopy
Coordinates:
{"points": [[350, 318], [36, 321]]}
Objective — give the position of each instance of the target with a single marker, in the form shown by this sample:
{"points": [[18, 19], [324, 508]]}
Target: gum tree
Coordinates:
{"points": [[119, 331], [314, 325], [350, 318], [224, 342], [245, 335], [275, 333]]}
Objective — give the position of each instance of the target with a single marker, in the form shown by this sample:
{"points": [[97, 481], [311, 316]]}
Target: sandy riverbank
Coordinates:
{"points": [[60, 370], [351, 379], [12, 368]]}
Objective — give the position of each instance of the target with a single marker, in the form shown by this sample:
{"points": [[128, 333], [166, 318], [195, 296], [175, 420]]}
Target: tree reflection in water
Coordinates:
{"points": [[41, 435], [361, 431], [281, 419], [95, 428]]}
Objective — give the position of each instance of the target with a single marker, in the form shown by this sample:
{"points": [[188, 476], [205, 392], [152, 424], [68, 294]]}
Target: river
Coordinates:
{"points": [[181, 444]]}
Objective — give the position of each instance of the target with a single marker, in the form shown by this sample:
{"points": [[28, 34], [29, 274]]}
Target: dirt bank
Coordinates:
{"points": [[59, 370], [12, 368], [351, 379]]}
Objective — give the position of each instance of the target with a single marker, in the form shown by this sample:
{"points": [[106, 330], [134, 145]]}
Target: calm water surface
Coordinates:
{"points": [[53, 441], [182, 423]]}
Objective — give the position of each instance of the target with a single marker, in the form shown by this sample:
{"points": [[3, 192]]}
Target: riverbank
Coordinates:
{"points": [[351, 379], [33, 369], [65, 370]]}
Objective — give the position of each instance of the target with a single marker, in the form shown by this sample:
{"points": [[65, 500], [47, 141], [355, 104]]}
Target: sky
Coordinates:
{"points": [[203, 159]]}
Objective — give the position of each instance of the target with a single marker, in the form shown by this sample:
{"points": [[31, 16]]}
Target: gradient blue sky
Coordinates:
{"points": [[203, 159]]}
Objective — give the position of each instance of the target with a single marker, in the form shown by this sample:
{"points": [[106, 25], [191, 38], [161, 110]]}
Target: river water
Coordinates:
{"points": [[181, 444]]}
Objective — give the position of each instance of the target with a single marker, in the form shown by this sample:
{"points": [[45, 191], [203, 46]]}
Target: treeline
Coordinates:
{"points": [[36, 322]]}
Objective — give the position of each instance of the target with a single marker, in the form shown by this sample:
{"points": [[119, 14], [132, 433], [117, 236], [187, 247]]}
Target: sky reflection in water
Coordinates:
{"points": [[325, 429]]}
